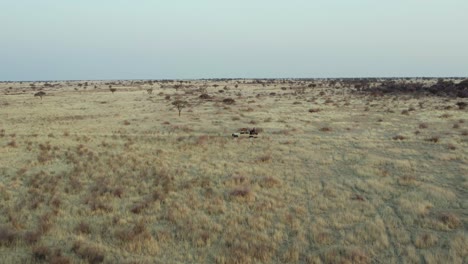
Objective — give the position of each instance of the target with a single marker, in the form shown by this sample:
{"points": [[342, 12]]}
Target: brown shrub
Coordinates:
{"points": [[138, 207], [462, 105], [325, 129], [31, 237], [434, 139], [41, 253], [314, 110], [425, 240], [239, 179], [91, 254], [398, 137], [406, 180], [423, 125], [264, 158], [241, 192], [7, 235], [269, 182], [339, 255], [358, 197], [204, 96], [138, 231], [12, 144], [117, 192], [45, 223], [229, 101], [53, 257], [83, 228], [451, 220]]}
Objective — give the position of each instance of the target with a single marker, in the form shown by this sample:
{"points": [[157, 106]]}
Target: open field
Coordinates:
{"points": [[335, 175]]}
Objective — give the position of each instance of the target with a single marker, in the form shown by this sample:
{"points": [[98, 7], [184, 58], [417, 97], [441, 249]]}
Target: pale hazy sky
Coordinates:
{"points": [[143, 39]]}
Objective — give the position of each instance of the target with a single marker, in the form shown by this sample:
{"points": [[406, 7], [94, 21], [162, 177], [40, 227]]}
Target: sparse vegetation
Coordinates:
{"points": [[180, 104], [40, 94], [229, 101], [99, 178]]}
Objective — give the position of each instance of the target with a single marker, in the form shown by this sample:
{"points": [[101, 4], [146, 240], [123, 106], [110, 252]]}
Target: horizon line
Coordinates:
{"points": [[237, 78]]}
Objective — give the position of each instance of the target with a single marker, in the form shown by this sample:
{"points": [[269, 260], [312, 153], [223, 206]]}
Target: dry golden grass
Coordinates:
{"points": [[94, 176]]}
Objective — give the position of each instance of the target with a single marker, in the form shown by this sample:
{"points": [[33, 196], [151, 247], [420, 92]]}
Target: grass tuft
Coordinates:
{"points": [[450, 220]]}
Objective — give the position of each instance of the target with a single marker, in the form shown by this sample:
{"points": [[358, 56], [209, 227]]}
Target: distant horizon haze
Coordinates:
{"points": [[208, 39]]}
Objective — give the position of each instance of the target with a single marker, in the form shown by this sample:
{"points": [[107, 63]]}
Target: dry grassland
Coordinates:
{"points": [[90, 176]]}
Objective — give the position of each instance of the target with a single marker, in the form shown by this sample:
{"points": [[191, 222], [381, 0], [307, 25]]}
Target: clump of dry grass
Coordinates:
{"points": [[269, 182], [358, 197], [12, 144], [406, 180], [324, 238], [238, 179], [8, 236], [399, 137], [92, 254], [43, 253], [347, 255], [423, 125], [137, 232], [229, 101], [462, 105], [242, 191], [264, 158], [433, 139], [314, 110], [32, 237], [139, 206], [450, 220], [451, 147], [425, 240], [82, 228]]}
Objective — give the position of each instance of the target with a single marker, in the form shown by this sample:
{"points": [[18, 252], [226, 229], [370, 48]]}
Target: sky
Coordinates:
{"points": [[182, 39]]}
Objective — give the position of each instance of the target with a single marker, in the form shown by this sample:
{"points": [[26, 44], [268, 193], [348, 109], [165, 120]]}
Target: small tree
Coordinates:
{"points": [[112, 89], [40, 94], [180, 104]]}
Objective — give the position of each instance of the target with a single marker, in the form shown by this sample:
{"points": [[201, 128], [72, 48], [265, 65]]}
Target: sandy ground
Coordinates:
{"points": [[90, 176]]}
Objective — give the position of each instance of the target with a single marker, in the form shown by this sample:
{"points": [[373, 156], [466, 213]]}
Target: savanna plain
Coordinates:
{"points": [[342, 171]]}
